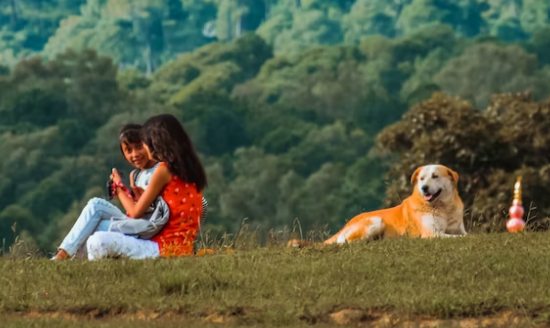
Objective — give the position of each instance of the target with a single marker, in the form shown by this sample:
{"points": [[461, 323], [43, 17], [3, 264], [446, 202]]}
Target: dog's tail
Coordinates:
{"points": [[333, 239], [299, 243]]}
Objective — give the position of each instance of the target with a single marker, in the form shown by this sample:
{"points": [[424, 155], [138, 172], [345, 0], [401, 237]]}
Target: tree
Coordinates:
{"points": [[541, 45], [463, 15], [328, 144], [215, 68], [51, 111], [484, 69], [509, 29], [27, 24], [420, 86], [142, 34], [327, 84], [503, 20], [236, 17], [372, 18], [534, 15], [216, 123], [489, 149], [292, 29], [254, 192]]}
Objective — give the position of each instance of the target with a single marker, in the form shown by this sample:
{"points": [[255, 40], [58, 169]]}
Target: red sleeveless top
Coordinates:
{"points": [[185, 203]]}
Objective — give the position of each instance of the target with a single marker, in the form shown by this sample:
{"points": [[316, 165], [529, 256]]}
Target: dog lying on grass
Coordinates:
{"points": [[433, 210]]}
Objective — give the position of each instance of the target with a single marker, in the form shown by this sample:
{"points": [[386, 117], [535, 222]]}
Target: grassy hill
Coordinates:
{"points": [[496, 277]]}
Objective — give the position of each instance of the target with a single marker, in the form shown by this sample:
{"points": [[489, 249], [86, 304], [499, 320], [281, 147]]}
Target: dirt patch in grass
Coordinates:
{"points": [[369, 319], [345, 317]]}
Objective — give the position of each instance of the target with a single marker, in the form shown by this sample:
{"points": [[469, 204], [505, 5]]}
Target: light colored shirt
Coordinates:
{"points": [[145, 176]]}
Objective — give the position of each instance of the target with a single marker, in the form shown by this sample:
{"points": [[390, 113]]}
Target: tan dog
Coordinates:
{"points": [[433, 210]]}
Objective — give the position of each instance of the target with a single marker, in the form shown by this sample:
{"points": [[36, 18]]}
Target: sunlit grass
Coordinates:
{"points": [[445, 278]]}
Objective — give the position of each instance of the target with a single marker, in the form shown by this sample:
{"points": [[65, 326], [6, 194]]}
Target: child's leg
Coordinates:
{"points": [[94, 217], [113, 244]]}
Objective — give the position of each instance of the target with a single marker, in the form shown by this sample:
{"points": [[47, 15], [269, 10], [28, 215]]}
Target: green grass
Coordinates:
{"points": [[474, 276], [126, 323]]}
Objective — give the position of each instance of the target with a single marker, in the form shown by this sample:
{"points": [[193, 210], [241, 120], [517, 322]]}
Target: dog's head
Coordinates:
{"points": [[435, 183]]}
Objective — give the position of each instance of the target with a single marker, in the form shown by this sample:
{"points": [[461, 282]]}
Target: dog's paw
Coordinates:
{"points": [[297, 243], [294, 243]]}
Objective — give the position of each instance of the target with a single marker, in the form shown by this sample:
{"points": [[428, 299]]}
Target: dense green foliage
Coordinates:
{"points": [[287, 102], [147, 33]]}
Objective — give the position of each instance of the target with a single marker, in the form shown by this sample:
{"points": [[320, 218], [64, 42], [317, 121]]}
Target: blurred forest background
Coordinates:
{"points": [[308, 109]]}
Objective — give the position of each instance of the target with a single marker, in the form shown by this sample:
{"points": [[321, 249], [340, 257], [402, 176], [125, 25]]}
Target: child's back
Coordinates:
{"points": [[143, 176]]}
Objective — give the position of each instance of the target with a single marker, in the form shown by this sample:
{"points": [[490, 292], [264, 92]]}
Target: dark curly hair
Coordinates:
{"points": [[129, 134], [168, 142]]}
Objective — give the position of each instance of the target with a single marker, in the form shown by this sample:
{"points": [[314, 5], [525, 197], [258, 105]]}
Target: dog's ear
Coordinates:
{"points": [[415, 175], [453, 175]]}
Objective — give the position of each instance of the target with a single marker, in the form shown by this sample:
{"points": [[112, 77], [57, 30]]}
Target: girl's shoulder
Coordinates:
{"points": [[161, 174], [163, 168], [175, 181]]}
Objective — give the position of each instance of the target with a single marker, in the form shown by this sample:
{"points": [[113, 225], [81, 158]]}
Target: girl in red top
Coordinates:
{"points": [[179, 180]]}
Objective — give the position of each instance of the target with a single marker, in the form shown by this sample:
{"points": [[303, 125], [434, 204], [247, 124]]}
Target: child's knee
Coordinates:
{"points": [[96, 204], [98, 245], [93, 247], [96, 201]]}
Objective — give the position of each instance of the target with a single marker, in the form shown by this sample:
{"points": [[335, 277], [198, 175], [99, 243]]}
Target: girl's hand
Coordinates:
{"points": [[115, 176], [160, 178], [138, 191]]}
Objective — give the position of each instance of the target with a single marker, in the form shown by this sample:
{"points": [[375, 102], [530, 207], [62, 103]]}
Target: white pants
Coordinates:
{"points": [[105, 244]]}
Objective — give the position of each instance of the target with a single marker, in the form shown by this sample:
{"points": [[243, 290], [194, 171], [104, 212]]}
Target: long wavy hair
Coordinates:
{"points": [[169, 143]]}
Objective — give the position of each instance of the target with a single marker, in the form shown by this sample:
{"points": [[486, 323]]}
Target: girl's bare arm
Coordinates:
{"points": [[161, 177]]}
